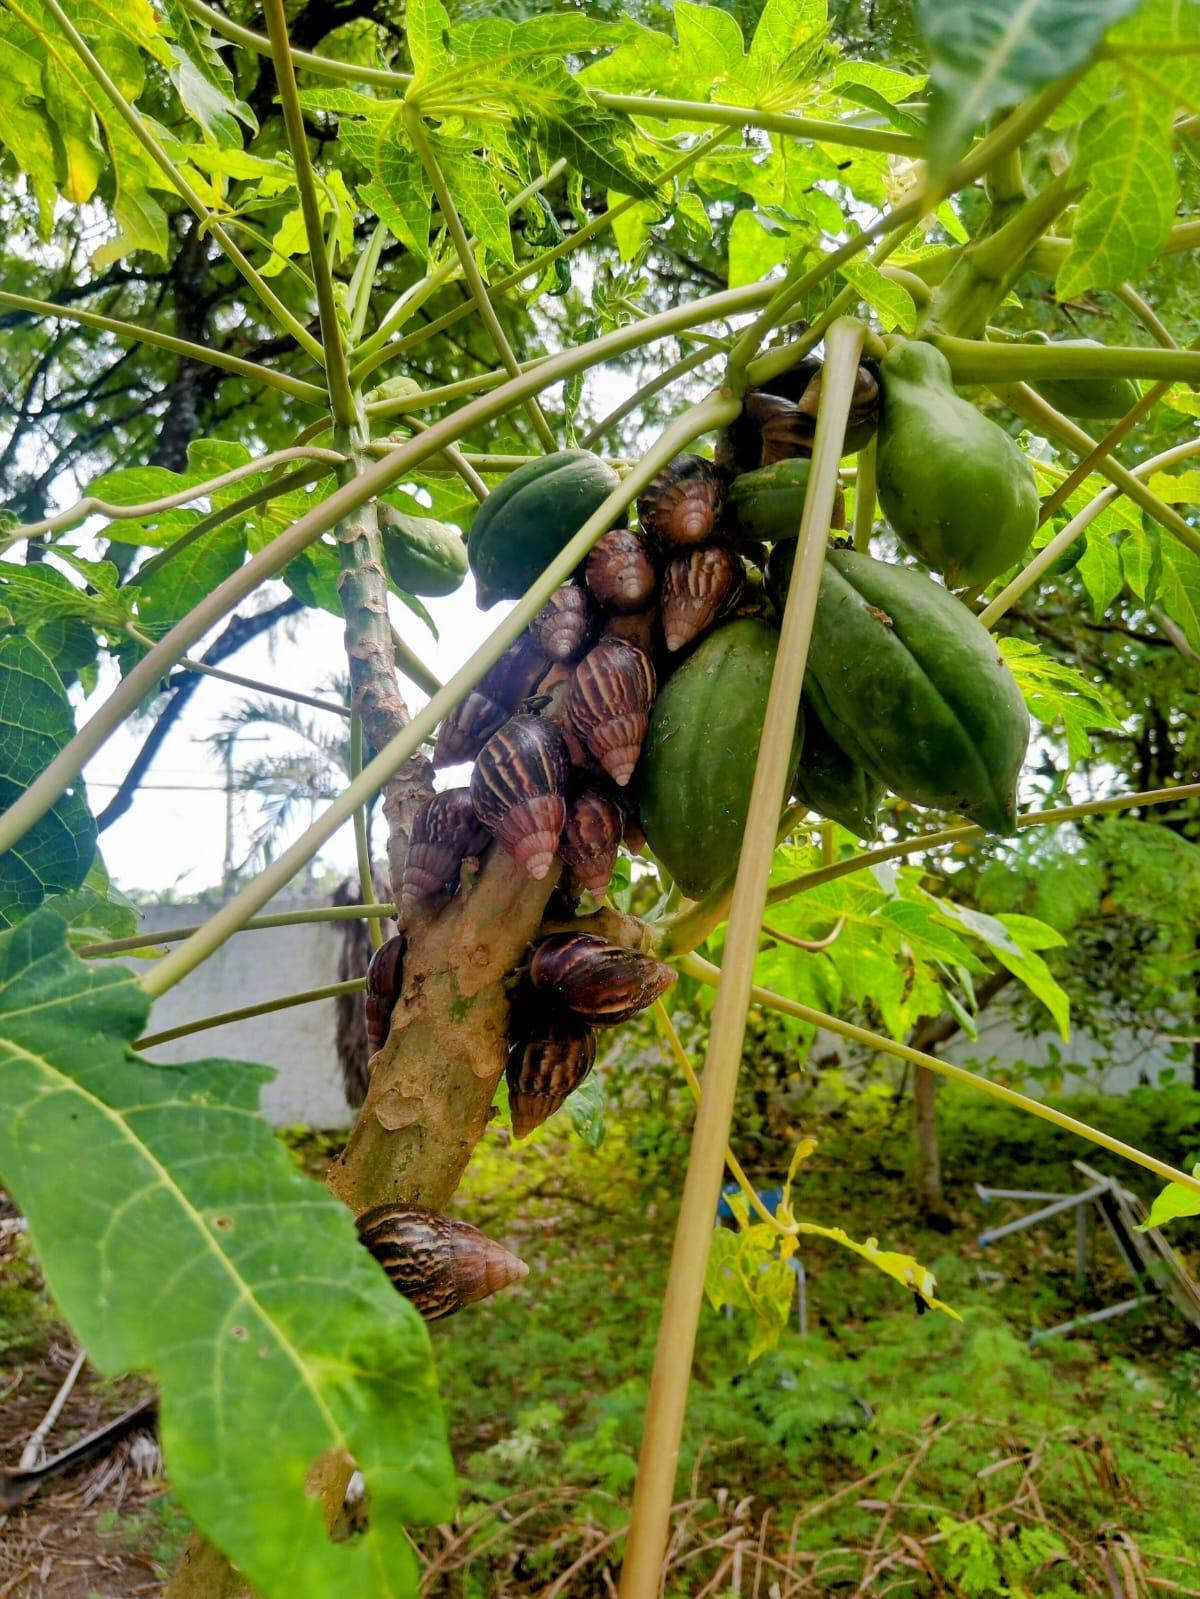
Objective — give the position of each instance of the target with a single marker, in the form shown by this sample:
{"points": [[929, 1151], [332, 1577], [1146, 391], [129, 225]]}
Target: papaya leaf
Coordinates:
{"points": [[200, 1255], [745, 1272], [754, 251], [1172, 1203], [1125, 154], [499, 43], [987, 55], [904, 1269], [203, 81], [476, 193], [427, 28], [96, 910], [1100, 570], [1161, 572], [1057, 692], [56, 854], [585, 1110], [892, 303], [174, 589]]}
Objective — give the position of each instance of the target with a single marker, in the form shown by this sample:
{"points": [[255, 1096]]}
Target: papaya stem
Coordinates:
{"points": [[362, 846], [654, 1490], [977, 361], [705, 972]]}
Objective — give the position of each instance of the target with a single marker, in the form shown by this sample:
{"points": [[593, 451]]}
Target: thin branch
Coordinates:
{"points": [[173, 935], [1032, 408], [337, 374], [705, 972], [688, 928], [1146, 315], [1062, 541], [264, 1008], [167, 341], [90, 505], [273, 689], [178, 182], [226, 513]]}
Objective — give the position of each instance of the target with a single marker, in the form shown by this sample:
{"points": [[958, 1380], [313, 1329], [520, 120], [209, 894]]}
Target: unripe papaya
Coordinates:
{"points": [[700, 751], [533, 515], [911, 687], [956, 489], [422, 556], [834, 786], [1099, 398], [766, 505]]}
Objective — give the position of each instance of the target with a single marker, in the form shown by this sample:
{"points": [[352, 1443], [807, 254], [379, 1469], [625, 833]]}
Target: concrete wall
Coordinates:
{"points": [[299, 1043], [248, 969]]}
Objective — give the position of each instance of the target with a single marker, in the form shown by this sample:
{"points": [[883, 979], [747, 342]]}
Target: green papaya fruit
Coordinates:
{"points": [[906, 681], [533, 515], [834, 786], [766, 505], [422, 556], [698, 758], [1101, 398], [956, 489]]}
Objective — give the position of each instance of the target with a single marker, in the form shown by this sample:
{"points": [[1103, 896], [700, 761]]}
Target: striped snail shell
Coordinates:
{"points": [[385, 976], [590, 840], [682, 504], [697, 588], [609, 704], [445, 830], [518, 788], [439, 1264], [490, 703], [600, 982], [546, 1065], [620, 573], [564, 626]]}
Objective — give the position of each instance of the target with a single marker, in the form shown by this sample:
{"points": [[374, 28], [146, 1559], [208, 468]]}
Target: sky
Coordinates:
{"points": [[172, 839]]}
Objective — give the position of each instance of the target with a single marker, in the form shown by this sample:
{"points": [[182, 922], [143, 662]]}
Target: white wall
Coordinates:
{"points": [[248, 969]]}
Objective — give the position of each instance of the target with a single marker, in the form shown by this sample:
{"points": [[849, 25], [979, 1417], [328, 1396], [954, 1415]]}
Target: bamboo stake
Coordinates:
{"points": [[653, 1493]]}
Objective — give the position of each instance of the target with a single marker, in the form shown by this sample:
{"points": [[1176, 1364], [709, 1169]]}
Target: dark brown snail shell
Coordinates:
{"points": [[609, 704], [620, 573], [683, 503], [490, 703], [564, 626], [385, 976], [697, 588], [545, 1066], [439, 1264], [591, 838], [445, 830], [600, 982], [518, 788]]}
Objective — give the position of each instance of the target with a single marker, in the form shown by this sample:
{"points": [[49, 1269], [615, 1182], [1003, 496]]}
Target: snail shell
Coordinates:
{"points": [[609, 704], [385, 976], [697, 588], [564, 625], [682, 504], [490, 703], [518, 788], [600, 982], [620, 573], [544, 1067], [439, 1264], [445, 830], [590, 840]]}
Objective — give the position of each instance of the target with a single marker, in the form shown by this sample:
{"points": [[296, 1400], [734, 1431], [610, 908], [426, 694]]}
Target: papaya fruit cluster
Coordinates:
{"points": [[631, 709]]}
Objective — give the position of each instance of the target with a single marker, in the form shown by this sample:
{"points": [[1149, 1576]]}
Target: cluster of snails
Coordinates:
{"points": [[555, 731]]}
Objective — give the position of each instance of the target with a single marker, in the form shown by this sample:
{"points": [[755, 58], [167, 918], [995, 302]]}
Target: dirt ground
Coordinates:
{"points": [[108, 1529]]}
